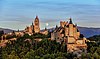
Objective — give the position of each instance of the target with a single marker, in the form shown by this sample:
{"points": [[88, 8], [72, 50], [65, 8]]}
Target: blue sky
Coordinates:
{"points": [[17, 14]]}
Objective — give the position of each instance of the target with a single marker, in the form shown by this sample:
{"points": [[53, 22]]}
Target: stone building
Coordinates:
{"points": [[45, 31], [36, 25], [70, 35], [35, 28]]}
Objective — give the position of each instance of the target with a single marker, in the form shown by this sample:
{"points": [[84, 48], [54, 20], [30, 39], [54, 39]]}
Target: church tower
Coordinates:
{"points": [[36, 25]]}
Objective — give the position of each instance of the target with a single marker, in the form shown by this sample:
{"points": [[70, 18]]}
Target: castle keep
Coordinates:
{"points": [[70, 35]]}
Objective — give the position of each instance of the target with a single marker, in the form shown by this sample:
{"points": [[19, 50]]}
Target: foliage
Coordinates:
{"points": [[1, 33], [27, 48]]}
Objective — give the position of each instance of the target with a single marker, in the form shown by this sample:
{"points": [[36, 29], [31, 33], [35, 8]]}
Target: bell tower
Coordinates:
{"points": [[36, 25]]}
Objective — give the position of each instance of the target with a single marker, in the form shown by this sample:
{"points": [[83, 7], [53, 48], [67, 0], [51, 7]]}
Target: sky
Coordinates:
{"points": [[17, 14]]}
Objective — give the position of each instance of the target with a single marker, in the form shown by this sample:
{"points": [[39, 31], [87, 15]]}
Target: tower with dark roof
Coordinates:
{"points": [[70, 22], [71, 32]]}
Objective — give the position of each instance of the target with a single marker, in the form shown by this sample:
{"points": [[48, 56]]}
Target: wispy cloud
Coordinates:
{"points": [[51, 11]]}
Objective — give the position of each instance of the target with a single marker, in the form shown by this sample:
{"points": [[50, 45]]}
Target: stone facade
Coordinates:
{"points": [[69, 33], [35, 28], [36, 25]]}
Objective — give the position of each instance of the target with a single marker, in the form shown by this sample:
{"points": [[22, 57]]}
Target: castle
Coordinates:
{"points": [[70, 35], [67, 33]]}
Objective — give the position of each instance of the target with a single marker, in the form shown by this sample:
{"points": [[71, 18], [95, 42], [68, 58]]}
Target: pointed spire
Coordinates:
{"points": [[56, 26], [70, 22], [13, 31], [45, 28], [36, 17], [77, 30], [32, 23], [76, 25], [18, 30]]}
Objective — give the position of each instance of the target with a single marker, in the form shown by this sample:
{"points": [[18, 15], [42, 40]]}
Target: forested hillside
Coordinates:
{"points": [[27, 48]]}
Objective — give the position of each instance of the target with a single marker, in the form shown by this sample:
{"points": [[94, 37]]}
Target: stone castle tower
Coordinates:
{"points": [[68, 32], [36, 25], [71, 32]]}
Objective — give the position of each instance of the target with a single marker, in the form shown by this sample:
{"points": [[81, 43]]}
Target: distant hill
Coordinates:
{"points": [[6, 30], [87, 32]]}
